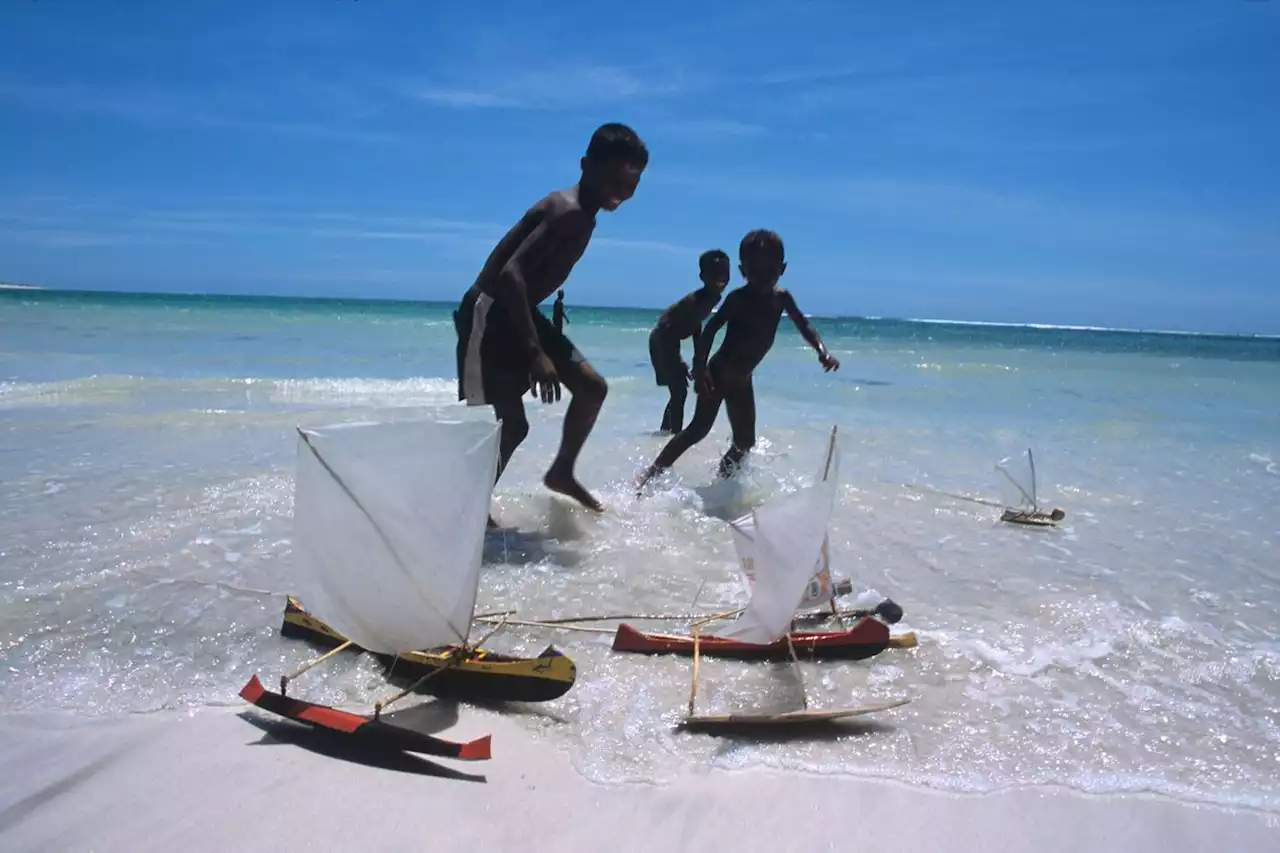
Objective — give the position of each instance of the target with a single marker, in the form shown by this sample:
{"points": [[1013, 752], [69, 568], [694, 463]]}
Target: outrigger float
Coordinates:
{"points": [[389, 522]]}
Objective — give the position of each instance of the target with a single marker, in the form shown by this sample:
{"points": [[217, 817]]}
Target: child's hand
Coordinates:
{"points": [[684, 366], [829, 362], [702, 382]]}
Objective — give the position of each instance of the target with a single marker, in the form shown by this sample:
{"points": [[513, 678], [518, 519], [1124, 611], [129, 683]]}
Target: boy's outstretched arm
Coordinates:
{"points": [[697, 334], [707, 334], [808, 332], [705, 338]]}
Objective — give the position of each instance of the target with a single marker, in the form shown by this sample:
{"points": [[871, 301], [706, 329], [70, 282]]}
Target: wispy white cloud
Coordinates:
{"points": [[173, 107], [642, 245], [999, 215], [564, 87], [54, 238], [703, 128], [65, 225], [464, 98]]}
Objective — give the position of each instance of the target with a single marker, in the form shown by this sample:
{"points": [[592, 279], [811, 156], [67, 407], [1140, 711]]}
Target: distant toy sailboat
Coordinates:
{"points": [[1020, 472]]}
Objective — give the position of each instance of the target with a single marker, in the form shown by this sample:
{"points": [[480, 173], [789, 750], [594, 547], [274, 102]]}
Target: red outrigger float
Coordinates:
{"points": [[866, 638]]}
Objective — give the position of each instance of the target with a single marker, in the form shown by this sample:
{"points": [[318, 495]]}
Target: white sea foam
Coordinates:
{"points": [[145, 546]]}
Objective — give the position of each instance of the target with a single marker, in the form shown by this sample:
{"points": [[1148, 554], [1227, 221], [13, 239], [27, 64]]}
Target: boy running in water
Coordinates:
{"points": [[507, 347], [750, 315], [681, 320]]}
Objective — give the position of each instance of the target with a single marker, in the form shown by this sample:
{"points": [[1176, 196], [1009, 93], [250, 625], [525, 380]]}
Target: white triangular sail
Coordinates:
{"points": [[788, 532], [1018, 481], [819, 591], [389, 523]]}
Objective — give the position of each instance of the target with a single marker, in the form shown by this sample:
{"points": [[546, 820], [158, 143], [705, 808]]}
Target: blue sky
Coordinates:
{"points": [[1094, 163]]}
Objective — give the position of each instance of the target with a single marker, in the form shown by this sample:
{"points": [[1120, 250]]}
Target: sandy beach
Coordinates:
{"points": [[231, 779]]}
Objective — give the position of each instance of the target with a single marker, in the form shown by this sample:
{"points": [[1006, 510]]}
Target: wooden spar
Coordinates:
{"points": [[982, 501], [804, 694], [610, 617], [835, 611], [566, 623], [530, 623], [459, 654], [697, 651], [697, 658], [906, 640], [285, 679], [493, 614]]}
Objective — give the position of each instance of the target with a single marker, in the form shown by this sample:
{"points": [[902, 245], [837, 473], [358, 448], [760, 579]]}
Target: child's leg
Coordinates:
{"points": [[515, 426], [674, 419], [587, 391], [740, 404], [704, 418]]}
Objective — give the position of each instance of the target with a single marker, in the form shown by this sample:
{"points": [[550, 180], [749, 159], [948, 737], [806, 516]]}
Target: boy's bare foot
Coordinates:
{"points": [[561, 481], [643, 479]]}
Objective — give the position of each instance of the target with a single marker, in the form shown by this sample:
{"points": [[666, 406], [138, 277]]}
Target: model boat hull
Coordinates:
{"points": [[866, 638], [371, 732], [483, 675]]}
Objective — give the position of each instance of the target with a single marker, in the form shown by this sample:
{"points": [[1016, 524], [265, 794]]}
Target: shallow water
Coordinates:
{"points": [[146, 448]]}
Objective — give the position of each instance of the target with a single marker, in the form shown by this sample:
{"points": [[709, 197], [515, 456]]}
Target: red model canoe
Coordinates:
{"points": [[372, 732], [867, 637]]}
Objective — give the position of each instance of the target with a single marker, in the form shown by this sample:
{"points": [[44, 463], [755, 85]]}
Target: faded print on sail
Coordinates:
{"points": [[788, 531], [817, 592], [389, 525]]}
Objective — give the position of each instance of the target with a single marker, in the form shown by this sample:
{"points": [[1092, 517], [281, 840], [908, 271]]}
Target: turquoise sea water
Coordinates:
{"points": [[146, 452]]}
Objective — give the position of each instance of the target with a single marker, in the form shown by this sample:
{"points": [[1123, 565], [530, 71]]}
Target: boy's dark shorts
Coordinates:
{"points": [[664, 355], [492, 364]]}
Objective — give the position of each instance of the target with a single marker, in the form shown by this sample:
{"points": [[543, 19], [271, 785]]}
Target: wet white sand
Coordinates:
{"points": [[227, 779]]}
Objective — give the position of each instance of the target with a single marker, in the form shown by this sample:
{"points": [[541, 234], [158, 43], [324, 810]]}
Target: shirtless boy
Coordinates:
{"points": [[506, 346], [681, 320], [750, 315]]}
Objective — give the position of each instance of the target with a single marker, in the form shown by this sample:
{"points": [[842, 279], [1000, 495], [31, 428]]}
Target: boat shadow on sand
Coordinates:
{"points": [[427, 718]]}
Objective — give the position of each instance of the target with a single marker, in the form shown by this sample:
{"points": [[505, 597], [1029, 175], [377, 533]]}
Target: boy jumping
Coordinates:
{"points": [[750, 315], [683, 319], [506, 346]]}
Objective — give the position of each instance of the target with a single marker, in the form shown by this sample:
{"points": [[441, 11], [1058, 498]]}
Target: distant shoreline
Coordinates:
{"points": [[391, 301]]}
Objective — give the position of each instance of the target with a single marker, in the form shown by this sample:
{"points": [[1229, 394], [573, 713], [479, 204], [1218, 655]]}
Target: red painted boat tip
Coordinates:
{"points": [[476, 750], [253, 690]]}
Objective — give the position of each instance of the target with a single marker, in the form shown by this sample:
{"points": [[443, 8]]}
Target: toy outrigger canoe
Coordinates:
{"points": [[784, 530], [1028, 511], [389, 523], [481, 674], [865, 638]]}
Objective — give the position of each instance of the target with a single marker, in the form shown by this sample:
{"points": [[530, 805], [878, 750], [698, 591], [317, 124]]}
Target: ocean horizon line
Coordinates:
{"points": [[31, 289]]}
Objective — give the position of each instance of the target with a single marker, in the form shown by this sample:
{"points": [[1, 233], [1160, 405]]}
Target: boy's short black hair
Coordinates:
{"points": [[614, 141], [712, 258], [762, 241]]}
